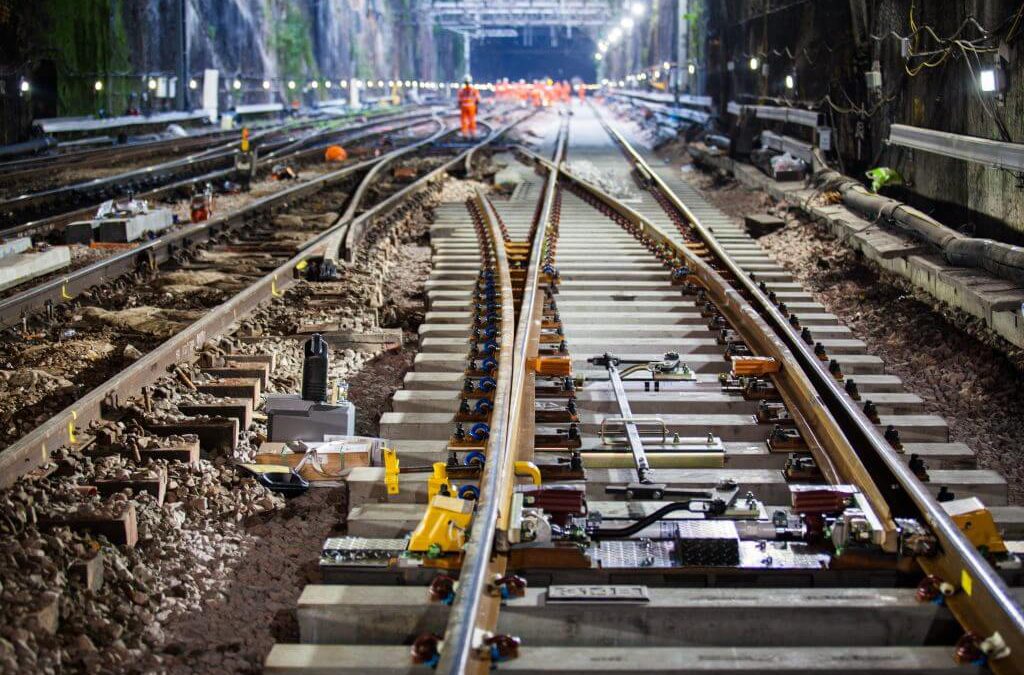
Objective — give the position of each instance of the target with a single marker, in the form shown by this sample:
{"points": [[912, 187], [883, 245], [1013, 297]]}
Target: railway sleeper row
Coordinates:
{"points": [[727, 593]]}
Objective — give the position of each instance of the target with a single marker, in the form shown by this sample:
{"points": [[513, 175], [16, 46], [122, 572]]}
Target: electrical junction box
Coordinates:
{"points": [[825, 138], [873, 80], [291, 418]]}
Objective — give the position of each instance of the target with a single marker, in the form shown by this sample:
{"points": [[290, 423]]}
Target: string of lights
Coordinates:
{"points": [[625, 26]]}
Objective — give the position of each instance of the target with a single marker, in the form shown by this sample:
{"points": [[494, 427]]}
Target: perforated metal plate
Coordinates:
{"points": [[361, 551]]}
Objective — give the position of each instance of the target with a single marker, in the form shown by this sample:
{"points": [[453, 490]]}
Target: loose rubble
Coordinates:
{"points": [[220, 560]]}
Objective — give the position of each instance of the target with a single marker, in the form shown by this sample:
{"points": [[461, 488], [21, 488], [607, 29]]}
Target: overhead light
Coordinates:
{"points": [[604, 82], [344, 84], [691, 69], [627, 23], [237, 84], [621, 83], [314, 85], [291, 84], [754, 63], [638, 9], [192, 84], [391, 83], [266, 84], [152, 83], [380, 83], [615, 35], [666, 65], [598, 56], [790, 82], [730, 65], [408, 83], [25, 87], [989, 80], [98, 86], [328, 84]]}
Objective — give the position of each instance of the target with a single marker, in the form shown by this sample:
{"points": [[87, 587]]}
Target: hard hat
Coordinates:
{"points": [[468, 79]]}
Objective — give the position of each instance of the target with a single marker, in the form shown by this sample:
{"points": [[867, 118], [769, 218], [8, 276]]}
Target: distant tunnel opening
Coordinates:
{"points": [[533, 57]]}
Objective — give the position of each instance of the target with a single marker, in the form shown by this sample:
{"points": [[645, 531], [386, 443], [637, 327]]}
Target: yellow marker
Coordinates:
{"points": [[302, 266], [64, 291], [391, 471], [966, 582], [71, 427], [528, 469], [273, 288]]}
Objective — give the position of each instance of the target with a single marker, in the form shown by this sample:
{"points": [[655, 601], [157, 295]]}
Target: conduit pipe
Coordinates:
{"points": [[1003, 260]]}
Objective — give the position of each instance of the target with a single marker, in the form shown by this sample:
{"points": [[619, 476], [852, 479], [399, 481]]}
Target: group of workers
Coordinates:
{"points": [[539, 93]]}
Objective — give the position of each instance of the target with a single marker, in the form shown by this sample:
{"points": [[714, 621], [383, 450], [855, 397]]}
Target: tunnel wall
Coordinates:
{"points": [[828, 47], [123, 41]]}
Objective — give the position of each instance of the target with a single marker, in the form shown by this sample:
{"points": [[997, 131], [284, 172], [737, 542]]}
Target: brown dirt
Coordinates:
{"points": [[405, 303], [934, 350], [278, 560]]}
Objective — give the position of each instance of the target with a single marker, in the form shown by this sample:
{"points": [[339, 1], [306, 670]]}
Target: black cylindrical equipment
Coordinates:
{"points": [[314, 369]]}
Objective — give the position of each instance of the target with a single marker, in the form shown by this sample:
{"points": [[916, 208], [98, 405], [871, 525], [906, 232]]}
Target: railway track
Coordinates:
{"points": [[632, 443], [20, 305], [261, 255], [44, 213]]}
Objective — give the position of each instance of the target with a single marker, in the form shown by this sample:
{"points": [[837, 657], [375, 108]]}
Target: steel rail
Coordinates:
{"points": [[66, 287], [32, 450], [982, 603], [220, 152], [357, 198], [810, 415], [26, 168], [49, 223], [827, 441], [471, 617], [349, 239]]}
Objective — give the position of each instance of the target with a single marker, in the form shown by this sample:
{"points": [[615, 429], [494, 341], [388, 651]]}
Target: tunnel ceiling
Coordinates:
{"points": [[507, 18]]}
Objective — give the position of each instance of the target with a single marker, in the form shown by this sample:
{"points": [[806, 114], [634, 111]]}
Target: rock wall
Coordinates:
{"points": [[65, 46], [828, 48]]}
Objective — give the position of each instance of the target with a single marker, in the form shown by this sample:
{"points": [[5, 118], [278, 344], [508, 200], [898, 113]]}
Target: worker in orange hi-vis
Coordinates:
{"points": [[469, 97]]}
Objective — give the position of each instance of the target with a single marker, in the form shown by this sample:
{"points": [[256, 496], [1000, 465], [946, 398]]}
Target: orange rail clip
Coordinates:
{"points": [[753, 366], [552, 366]]}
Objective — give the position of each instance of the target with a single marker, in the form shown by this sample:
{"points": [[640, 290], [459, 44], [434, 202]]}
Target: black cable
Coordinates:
{"points": [[715, 506]]}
